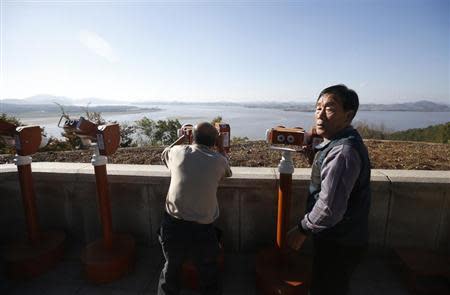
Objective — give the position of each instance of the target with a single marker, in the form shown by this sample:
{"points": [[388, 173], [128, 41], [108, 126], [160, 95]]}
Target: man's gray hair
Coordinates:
{"points": [[205, 133]]}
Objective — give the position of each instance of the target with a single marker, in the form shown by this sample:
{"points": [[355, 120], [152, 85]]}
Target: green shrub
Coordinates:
{"points": [[4, 147], [217, 119], [163, 132], [239, 139], [371, 131], [437, 133]]}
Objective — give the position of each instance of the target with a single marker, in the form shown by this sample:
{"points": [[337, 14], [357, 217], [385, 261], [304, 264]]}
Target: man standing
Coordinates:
{"points": [[339, 195], [191, 208]]}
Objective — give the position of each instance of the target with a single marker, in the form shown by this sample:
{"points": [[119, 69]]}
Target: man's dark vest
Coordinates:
{"points": [[353, 228]]}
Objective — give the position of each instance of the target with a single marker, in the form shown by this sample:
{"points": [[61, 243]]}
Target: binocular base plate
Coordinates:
{"points": [[103, 265], [189, 272], [26, 260], [282, 273]]}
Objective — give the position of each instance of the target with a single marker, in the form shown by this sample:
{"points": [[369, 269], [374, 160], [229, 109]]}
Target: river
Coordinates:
{"points": [[252, 122]]}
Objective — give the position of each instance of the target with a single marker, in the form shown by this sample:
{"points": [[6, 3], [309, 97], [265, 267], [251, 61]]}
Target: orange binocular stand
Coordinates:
{"points": [[111, 257], [42, 250], [280, 270]]}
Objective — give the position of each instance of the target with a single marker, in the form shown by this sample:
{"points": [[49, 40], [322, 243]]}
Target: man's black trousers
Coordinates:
{"points": [[333, 266], [180, 240]]}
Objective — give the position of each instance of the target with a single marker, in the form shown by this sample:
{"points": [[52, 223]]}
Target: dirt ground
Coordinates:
{"points": [[383, 155]]}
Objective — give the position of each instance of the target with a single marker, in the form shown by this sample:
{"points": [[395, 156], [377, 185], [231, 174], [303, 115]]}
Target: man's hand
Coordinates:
{"points": [[308, 152], [180, 140], [219, 144], [310, 141], [295, 238]]}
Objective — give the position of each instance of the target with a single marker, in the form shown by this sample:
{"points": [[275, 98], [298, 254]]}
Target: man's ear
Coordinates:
{"points": [[350, 115]]}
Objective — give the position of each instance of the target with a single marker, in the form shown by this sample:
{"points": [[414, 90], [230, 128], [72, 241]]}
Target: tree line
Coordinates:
{"points": [[163, 132], [138, 133], [436, 133]]}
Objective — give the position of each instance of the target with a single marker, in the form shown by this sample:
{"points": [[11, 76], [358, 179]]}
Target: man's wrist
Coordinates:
{"points": [[180, 140], [301, 226]]}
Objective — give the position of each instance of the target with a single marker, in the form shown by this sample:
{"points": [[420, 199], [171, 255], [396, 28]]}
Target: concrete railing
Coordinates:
{"points": [[409, 208]]}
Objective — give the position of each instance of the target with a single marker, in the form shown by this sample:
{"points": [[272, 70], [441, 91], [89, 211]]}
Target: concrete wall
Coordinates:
{"points": [[409, 208]]}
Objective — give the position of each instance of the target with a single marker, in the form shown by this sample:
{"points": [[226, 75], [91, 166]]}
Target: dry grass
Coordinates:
{"points": [[383, 154]]}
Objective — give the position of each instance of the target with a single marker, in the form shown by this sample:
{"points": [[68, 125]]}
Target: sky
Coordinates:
{"points": [[388, 51]]}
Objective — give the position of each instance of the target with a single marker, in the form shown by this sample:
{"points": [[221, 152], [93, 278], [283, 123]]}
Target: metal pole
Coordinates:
{"points": [[278, 270], [104, 203], [104, 262], [41, 250], [28, 196], [286, 168]]}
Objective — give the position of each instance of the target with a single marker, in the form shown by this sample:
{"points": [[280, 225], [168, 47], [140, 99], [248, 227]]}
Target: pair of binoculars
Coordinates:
{"points": [[283, 135], [107, 136], [27, 139], [223, 129], [292, 136], [81, 127], [186, 130]]}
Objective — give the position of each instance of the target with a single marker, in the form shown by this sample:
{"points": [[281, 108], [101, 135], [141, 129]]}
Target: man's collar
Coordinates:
{"points": [[323, 144], [343, 132], [340, 134], [201, 146]]}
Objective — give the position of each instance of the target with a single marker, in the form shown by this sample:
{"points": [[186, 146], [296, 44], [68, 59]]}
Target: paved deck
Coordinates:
{"points": [[373, 277]]}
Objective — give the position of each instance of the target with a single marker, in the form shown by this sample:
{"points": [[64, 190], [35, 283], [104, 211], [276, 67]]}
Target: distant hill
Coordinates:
{"points": [[39, 100], [419, 106], [42, 110], [43, 99], [42, 102]]}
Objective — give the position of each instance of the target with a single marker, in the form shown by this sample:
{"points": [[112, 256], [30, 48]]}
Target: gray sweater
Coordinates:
{"points": [[195, 173]]}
